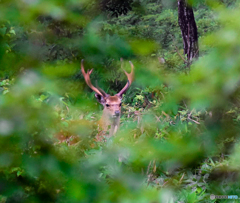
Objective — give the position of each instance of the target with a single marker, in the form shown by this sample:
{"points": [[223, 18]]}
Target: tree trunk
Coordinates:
{"points": [[188, 28]]}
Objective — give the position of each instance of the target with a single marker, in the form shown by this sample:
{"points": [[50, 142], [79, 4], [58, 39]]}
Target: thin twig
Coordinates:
{"points": [[185, 61], [194, 121], [196, 53], [158, 118], [149, 175], [165, 183], [165, 114], [180, 181], [150, 163], [162, 95]]}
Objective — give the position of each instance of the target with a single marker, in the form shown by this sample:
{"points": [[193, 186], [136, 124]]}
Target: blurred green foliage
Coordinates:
{"points": [[179, 135]]}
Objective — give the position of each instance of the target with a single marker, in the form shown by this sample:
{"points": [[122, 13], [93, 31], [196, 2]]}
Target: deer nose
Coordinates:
{"points": [[117, 113]]}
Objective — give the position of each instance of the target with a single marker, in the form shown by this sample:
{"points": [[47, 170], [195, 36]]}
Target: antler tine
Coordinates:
{"points": [[130, 77], [121, 59], [88, 80]]}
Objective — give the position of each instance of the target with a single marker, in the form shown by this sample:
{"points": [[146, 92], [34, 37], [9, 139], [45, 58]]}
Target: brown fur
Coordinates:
{"points": [[112, 99], [109, 118]]}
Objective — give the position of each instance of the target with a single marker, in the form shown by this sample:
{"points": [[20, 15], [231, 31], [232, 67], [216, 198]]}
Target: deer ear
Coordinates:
{"points": [[100, 99], [119, 96]]}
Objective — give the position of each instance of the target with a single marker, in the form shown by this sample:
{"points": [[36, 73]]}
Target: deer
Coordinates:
{"points": [[111, 104]]}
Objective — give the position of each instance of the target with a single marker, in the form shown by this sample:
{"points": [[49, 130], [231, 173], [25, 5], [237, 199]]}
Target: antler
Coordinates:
{"points": [[130, 77], [88, 80]]}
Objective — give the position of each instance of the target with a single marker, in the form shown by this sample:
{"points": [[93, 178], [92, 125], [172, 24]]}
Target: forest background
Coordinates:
{"points": [[179, 134]]}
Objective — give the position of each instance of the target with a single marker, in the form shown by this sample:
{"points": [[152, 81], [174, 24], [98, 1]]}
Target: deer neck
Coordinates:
{"points": [[109, 121]]}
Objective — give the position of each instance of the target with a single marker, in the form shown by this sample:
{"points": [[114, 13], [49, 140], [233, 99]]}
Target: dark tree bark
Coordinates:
{"points": [[188, 28]]}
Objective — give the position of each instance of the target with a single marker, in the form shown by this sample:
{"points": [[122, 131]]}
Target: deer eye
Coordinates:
{"points": [[107, 105], [120, 104]]}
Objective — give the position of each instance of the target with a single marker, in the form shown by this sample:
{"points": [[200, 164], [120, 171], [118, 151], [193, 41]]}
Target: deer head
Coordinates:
{"points": [[111, 104]]}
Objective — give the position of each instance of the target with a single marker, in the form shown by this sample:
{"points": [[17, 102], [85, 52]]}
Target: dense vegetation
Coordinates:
{"points": [[179, 135]]}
